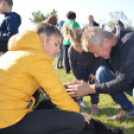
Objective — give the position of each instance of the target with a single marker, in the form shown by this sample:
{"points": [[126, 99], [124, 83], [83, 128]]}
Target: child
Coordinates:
{"points": [[71, 16], [9, 25], [25, 68], [83, 64]]}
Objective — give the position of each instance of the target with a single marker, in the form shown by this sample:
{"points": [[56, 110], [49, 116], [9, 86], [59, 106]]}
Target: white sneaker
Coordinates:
{"points": [[82, 104]]}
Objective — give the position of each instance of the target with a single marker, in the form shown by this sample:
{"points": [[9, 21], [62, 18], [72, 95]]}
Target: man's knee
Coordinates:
{"points": [[100, 74]]}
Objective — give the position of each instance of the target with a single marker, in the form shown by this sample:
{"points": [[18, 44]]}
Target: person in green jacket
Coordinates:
{"points": [[66, 42]]}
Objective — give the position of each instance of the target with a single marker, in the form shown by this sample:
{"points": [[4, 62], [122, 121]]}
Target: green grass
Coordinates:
{"points": [[106, 105]]}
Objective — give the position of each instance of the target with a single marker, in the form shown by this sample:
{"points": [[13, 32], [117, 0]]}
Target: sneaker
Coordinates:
{"points": [[57, 68], [94, 109], [122, 115], [82, 104]]}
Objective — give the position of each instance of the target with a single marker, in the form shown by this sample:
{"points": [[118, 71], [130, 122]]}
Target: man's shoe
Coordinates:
{"points": [[122, 115]]}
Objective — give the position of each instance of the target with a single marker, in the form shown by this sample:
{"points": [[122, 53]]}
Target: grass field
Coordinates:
{"points": [[106, 105]]}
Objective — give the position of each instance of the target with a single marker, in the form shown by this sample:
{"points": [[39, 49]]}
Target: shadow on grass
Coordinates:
{"points": [[103, 117]]}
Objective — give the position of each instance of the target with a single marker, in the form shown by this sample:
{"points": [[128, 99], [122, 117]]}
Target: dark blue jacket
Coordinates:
{"points": [[121, 62], [9, 26]]}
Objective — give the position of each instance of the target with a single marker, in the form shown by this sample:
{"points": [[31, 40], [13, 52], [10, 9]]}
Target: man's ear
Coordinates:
{"points": [[105, 40]]}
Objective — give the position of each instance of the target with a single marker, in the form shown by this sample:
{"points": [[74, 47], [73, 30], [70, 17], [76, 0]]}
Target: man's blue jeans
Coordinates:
{"points": [[103, 76], [85, 76]]}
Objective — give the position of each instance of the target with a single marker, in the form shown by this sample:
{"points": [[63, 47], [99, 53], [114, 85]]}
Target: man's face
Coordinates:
{"points": [[90, 18], [2, 7], [101, 51]]}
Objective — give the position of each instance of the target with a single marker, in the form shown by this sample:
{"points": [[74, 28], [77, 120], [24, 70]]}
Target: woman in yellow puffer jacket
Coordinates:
{"points": [[25, 68]]}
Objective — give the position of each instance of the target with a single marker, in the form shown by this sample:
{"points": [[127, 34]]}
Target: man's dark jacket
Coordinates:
{"points": [[9, 26], [121, 63]]}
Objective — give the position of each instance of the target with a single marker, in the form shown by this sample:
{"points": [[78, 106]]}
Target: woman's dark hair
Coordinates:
{"points": [[71, 15], [48, 30], [52, 20]]}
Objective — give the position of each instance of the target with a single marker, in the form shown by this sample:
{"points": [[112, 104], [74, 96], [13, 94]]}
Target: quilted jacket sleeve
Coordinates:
{"points": [[42, 71]]}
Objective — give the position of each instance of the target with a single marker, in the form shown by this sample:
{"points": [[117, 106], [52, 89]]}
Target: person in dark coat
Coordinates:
{"points": [[10, 24], [92, 22]]}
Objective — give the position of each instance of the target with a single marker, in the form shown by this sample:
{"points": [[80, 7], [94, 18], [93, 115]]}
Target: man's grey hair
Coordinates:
{"points": [[94, 35]]}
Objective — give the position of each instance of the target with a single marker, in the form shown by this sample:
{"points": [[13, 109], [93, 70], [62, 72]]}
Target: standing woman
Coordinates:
{"points": [[66, 42]]}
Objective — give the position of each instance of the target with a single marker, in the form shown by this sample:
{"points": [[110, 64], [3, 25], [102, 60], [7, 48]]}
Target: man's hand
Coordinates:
{"points": [[86, 117], [72, 83], [80, 88], [93, 78]]}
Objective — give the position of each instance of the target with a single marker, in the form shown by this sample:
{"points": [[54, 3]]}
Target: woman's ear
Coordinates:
{"points": [[42, 38]]}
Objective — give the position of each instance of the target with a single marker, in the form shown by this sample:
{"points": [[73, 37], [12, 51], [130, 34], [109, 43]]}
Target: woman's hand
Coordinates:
{"points": [[86, 117], [93, 78]]}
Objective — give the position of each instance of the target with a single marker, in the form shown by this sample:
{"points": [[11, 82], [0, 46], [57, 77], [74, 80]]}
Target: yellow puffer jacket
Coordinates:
{"points": [[23, 69]]}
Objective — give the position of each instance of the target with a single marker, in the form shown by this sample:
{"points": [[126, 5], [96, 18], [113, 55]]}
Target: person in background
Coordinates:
{"points": [[92, 22], [60, 54], [52, 20], [10, 24], [83, 64], [73, 24]]}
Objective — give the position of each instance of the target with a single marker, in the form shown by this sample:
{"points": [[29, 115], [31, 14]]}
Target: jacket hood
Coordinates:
{"points": [[28, 39], [15, 15]]}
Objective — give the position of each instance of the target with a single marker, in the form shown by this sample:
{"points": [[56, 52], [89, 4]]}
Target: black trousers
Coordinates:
{"points": [[48, 121], [66, 59], [3, 48]]}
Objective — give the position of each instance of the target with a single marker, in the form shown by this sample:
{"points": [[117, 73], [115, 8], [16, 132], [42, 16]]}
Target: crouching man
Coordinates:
{"points": [[116, 77]]}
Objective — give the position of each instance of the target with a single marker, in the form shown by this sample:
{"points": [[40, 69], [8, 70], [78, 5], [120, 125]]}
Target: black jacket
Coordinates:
{"points": [[9, 26], [87, 61], [120, 64], [95, 23]]}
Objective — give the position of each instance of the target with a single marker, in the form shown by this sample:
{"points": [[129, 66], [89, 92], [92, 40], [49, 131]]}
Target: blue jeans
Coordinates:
{"points": [[85, 76], [103, 76]]}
